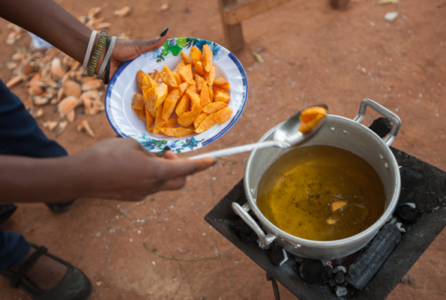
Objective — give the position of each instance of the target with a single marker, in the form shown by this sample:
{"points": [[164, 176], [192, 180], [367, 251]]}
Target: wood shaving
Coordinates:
{"points": [[17, 28], [93, 12], [72, 88], [11, 65], [123, 36], [75, 65], [28, 69], [49, 83], [67, 61], [71, 115], [13, 37], [60, 94], [99, 20], [101, 26], [61, 127], [52, 77], [83, 19], [39, 100], [123, 12], [92, 85], [28, 103], [65, 77], [50, 125], [67, 104], [35, 88], [258, 58], [56, 68], [97, 108], [18, 56], [388, 2], [165, 6], [390, 16], [84, 126], [37, 114], [13, 81]]}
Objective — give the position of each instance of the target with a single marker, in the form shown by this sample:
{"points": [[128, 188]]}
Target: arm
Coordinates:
{"points": [[113, 169], [48, 20], [25, 179]]}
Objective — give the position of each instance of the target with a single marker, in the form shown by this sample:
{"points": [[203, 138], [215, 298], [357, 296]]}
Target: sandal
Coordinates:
{"points": [[74, 286]]}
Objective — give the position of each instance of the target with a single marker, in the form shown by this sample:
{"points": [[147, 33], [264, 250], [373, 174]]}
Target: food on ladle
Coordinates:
{"points": [[310, 117]]}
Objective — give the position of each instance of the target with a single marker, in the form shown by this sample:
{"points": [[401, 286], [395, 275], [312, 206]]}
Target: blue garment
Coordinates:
{"points": [[19, 136], [13, 249]]}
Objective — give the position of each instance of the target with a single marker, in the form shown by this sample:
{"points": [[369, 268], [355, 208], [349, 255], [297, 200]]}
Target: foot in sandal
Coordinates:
{"points": [[43, 276]]}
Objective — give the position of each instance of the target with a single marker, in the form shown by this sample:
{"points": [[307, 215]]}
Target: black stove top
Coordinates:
{"points": [[430, 197]]}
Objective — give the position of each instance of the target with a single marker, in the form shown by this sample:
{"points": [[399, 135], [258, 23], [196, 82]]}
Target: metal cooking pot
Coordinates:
{"points": [[338, 132]]}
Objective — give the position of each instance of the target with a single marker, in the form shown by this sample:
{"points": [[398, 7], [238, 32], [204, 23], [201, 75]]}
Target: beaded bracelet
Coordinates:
{"points": [[97, 53]]}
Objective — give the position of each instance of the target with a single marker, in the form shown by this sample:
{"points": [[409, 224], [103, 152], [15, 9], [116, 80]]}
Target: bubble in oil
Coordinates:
{"points": [[381, 156], [332, 128], [344, 131], [386, 165]]}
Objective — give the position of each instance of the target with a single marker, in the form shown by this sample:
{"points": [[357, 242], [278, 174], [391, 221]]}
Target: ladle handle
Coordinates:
{"points": [[241, 149], [396, 121]]}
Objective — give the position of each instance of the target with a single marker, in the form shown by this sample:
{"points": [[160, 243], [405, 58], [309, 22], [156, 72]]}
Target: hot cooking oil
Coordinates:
{"points": [[321, 193]]}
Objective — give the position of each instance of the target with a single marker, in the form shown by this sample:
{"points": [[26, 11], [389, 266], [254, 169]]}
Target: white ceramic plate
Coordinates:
{"points": [[123, 85]]}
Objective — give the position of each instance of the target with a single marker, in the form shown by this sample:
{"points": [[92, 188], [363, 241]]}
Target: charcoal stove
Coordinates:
{"points": [[427, 193]]}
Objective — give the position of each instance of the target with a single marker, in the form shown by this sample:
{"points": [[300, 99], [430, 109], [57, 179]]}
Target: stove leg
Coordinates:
{"points": [[275, 286]]}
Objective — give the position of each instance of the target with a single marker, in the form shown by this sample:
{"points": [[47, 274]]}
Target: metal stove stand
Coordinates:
{"points": [[429, 196]]}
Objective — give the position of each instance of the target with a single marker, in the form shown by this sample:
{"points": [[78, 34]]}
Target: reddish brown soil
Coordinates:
{"points": [[312, 54]]}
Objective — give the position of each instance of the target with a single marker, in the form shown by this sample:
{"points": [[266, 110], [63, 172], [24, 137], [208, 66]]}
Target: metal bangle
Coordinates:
{"points": [[107, 57], [89, 48], [107, 67], [107, 73], [97, 53]]}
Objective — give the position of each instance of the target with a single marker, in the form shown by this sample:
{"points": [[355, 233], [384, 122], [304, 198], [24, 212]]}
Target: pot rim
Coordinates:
{"points": [[373, 229]]}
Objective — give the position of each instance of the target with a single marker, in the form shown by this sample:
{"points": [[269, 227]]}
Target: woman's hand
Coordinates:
{"points": [[122, 169], [125, 50], [114, 169]]}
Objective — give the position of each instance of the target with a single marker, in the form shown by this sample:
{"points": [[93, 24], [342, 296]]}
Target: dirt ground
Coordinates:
{"points": [[162, 248]]}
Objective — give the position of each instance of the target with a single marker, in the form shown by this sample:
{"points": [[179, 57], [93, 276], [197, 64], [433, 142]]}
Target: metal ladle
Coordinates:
{"points": [[286, 135]]}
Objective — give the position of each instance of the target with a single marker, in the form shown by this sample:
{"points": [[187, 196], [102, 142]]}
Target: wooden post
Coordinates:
{"points": [[242, 10], [233, 12], [339, 3], [233, 33]]}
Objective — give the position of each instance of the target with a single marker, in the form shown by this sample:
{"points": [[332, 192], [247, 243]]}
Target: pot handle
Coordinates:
{"points": [[264, 240], [396, 121]]}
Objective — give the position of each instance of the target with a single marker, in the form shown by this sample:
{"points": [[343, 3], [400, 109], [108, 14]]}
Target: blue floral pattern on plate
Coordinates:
{"points": [[153, 54], [178, 146]]}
